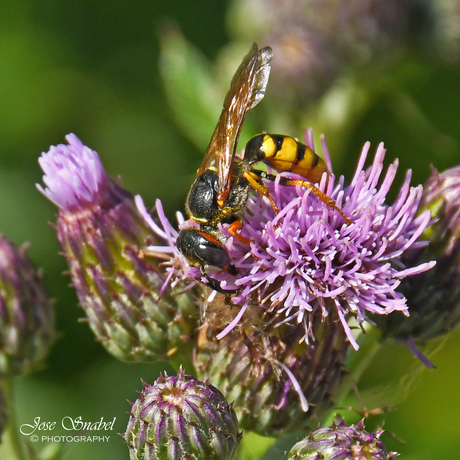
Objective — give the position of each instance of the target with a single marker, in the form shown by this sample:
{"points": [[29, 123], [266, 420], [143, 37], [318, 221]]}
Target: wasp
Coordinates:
{"points": [[223, 180]]}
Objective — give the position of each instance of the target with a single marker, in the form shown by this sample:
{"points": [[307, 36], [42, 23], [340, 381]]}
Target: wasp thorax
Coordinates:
{"points": [[202, 203], [202, 198]]}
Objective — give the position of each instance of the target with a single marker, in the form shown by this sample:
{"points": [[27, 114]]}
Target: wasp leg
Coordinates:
{"points": [[215, 285], [252, 178], [324, 198], [234, 228]]}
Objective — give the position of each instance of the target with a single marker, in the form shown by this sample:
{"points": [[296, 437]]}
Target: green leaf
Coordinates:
{"points": [[190, 87]]}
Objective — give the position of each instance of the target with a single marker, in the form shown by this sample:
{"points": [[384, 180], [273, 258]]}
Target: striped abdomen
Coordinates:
{"points": [[284, 153]]}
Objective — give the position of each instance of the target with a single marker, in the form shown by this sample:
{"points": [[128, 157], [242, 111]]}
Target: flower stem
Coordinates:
{"points": [[11, 446], [369, 345]]}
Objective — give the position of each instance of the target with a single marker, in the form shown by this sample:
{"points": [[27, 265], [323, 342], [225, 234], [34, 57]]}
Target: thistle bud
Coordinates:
{"points": [[278, 382], [123, 290], [26, 312], [181, 418], [341, 442], [435, 308]]}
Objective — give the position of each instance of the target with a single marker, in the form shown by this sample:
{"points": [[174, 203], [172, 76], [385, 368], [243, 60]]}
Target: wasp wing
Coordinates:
{"points": [[246, 90]]}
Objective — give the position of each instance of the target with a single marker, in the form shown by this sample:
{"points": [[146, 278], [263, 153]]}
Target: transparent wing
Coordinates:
{"points": [[246, 91]]}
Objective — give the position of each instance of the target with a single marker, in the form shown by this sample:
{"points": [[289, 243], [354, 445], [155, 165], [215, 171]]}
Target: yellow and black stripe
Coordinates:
{"points": [[284, 153]]}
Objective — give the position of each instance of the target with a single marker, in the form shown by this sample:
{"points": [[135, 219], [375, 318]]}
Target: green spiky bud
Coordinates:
{"points": [[181, 418], [103, 236], [26, 312], [433, 296], [341, 442], [278, 382]]}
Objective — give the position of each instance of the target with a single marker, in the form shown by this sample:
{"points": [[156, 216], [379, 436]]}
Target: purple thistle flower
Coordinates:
{"points": [[74, 175], [121, 287], [307, 258]]}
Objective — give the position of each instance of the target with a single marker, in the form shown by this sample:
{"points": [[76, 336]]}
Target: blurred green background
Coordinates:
{"points": [[142, 83]]}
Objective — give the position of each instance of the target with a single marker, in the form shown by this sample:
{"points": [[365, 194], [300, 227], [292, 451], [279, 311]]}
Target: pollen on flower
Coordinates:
{"points": [[307, 257]]}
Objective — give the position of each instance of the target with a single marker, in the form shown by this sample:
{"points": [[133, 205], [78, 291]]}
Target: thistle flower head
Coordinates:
{"points": [[26, 312], [307, 258], [435, 309], [441, 196], [103, 236], [180, 417], [341, 442], [74, 175]]}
